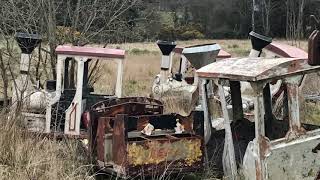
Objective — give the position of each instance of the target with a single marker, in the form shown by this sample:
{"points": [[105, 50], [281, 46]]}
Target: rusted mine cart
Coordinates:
{"points": [[132, 137], [267, 148]]}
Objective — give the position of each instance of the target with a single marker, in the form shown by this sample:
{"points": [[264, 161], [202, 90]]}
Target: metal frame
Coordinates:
{"points": [[81, 55], [265, 158], [121, 148]]}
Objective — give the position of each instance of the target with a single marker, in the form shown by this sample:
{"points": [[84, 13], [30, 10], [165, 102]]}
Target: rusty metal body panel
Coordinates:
{"points": [[120, 146], [287, 159], [165, 152], [300, 152]]}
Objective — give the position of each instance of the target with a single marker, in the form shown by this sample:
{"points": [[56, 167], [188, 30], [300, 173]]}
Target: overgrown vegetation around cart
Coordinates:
{"points": [[25, 156]]}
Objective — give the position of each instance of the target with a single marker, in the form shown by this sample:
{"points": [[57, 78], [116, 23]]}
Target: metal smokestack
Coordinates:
{"points": [[258, 42], [166, 48], [314, 48], [201, 55], [27, 43]]}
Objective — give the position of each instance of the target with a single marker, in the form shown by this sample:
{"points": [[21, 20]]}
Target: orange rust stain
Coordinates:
{"points": [[294, 66], [264, 146], [155, 152]]}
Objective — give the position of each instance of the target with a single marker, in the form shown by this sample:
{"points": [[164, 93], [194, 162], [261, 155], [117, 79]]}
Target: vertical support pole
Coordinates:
{"points": [[293, 104], [48, 118], [118, 91], [66, 73], [285, 104], [207, 117], [237, 109], [92, 133], [86, 76], [259, 113], [184, 65], [171, 59], [228, 158], [119, 142], [268, 107], [59, 67], [100, 139], [74, 111]]}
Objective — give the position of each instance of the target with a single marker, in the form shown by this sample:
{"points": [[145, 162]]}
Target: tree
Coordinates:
{"points": [[77, 22], [294, 22]]}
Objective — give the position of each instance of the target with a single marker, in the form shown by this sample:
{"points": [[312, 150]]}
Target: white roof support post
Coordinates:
{"points": [[184, 65], [57, 95], [170, 58], [74, 111], [228, 158], [293, 104], [207, 117], [260, 139], [118, 91]]}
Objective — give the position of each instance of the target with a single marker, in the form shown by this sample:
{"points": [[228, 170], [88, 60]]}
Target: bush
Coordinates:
{"points": [[193, 34], [167, 33], [187, 32]]}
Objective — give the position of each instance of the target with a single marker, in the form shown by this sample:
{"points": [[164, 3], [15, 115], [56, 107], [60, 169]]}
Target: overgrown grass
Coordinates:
{"points": [[25, 156]]}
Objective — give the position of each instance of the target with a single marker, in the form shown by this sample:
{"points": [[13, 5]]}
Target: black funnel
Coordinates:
{"points": [[27, 42], [259, 41], [166, 47]]}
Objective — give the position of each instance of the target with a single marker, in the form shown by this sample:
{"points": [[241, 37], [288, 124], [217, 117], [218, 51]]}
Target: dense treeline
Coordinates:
{"points": [[233, 18], [80, 22]]}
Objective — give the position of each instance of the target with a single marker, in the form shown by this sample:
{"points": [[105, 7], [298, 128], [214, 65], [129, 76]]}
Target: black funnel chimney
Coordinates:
{"points": [[258, 42], [166, 47], [27, 42]]}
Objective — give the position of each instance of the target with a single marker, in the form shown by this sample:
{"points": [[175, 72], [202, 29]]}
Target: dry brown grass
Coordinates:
{"points": [[27, 157]]}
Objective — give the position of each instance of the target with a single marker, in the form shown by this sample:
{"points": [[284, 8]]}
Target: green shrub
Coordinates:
{"points": [[193, 34], [186, 32], [167, 33]]}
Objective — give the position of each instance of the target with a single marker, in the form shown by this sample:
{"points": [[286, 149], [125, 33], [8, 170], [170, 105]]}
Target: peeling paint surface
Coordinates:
{"points": [[255, 69], [155, 152], [296, 159]]}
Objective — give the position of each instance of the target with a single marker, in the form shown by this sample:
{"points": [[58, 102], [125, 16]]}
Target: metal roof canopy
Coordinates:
{"points": [[256, 69], [286, 50], [90, 52]]}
